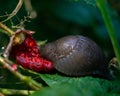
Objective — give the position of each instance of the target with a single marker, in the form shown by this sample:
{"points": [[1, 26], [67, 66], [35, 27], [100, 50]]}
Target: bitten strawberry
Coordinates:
{"points": [[26, 54]]}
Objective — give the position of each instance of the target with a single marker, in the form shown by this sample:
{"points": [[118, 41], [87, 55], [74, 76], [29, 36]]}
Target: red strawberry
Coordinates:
{"points": [[27, 55]]}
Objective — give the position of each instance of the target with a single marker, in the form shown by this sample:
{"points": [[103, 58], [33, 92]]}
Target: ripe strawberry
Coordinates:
{"points": [[27, 55]]}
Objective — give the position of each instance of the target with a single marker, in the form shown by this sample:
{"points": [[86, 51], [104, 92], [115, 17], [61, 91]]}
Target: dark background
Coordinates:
{"points": [[58, 18]]}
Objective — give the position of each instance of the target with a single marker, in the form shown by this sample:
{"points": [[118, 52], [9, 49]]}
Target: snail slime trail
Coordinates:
{"points": [[76, 56]]}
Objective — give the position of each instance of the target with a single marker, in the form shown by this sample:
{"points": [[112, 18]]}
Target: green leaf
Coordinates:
{"points": [[68, 86], [59, 79], [54, 79], [68, 90], [79, 86]]}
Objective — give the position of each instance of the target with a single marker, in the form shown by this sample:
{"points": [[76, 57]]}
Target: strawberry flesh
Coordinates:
{"points": [[27, 55]]}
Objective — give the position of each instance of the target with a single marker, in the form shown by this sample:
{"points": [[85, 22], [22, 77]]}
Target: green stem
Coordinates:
{"points": [[14, 12], [8, 30], [29, 81], [101, 4], [14, 92]]}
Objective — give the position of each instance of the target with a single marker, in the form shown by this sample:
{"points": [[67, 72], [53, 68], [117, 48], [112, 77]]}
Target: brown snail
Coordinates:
{"points": [[76, 56]]}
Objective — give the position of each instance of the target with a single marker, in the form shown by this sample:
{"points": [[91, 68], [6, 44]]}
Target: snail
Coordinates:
{"points": [[76, 56]]}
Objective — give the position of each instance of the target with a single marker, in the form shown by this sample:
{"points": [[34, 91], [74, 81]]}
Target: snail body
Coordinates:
{"points": [[76, 56]]}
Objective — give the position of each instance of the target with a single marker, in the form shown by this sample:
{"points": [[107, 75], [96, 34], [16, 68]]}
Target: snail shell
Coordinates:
{"points": [[76, 56]]}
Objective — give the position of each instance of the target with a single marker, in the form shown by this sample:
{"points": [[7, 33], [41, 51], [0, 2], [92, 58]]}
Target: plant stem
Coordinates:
{"points": [[14, 92], [29, 81], [14, 12], [101, 4], [8, 30]]}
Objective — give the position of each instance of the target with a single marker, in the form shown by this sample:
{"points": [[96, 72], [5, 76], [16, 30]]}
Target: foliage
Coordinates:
{"points": [[57, 18], [85, 86]]}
